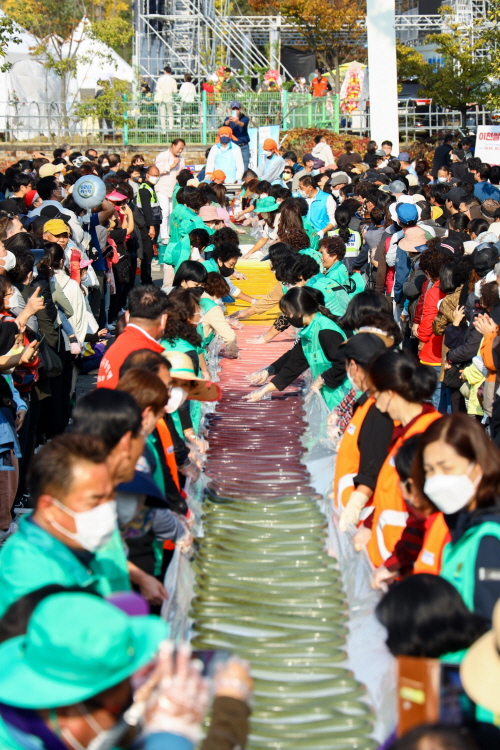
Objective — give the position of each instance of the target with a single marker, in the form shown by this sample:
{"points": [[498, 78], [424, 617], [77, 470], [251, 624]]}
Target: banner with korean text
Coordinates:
{"points": [[488, 144]]}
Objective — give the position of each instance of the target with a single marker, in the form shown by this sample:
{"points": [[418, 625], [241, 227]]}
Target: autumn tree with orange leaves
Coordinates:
{"points": [[332, 29]]}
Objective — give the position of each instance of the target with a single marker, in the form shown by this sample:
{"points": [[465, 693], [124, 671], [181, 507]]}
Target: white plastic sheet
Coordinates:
{"points": [[179, 581]]}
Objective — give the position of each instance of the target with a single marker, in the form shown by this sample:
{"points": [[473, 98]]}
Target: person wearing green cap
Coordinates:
{"points": [[267, 209], [72, 537], [68, 677]]}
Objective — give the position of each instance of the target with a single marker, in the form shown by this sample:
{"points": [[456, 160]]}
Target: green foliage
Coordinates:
{"points": [[465, 78], [8, 33], [109, 105]]}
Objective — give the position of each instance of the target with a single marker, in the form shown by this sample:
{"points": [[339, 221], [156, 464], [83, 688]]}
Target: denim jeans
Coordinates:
{"points": [[245, 152]]}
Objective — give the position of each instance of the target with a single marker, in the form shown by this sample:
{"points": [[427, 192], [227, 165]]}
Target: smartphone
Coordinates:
{"points": [[455, 706], [37, 347], [211, 660]]}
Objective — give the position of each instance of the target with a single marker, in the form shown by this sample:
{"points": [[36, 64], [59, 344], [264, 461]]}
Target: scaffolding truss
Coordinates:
{"points": [[193, 36]]}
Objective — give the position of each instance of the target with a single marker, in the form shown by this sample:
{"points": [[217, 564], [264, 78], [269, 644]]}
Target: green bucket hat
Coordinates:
{"points": [[76, 646], [266, 204]]}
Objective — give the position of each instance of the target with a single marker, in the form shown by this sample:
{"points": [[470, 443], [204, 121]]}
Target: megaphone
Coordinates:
{"points": [[89, 191]]}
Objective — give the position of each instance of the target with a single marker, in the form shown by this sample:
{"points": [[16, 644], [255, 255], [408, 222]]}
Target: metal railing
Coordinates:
{"points": [[146, 122]]}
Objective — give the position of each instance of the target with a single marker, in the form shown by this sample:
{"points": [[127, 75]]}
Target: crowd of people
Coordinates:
{"points": [[388, 271]]}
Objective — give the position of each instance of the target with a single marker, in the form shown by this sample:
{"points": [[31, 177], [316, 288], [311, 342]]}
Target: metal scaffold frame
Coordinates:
{"points": [[193, 36]]}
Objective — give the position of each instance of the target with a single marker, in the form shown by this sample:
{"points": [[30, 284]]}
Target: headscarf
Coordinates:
{"points": [[224, 130]]}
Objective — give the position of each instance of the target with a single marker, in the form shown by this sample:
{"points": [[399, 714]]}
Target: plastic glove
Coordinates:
{"points": [[320, 234], [362, 538], [352, 511], [258, 395], [233, 680], [381, 577], [258, 377], [234, 323], [191, 471], [185, 543], [200, 444], [258, 340], [75, 348], [316, 384], [239, 276], [181, 700], [232, 351]]}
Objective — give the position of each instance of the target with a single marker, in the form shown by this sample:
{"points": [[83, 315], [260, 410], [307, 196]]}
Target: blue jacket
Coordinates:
{"points": [[317, 214]]}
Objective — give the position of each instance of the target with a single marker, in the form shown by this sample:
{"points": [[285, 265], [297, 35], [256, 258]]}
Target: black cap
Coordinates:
{"points": [[10, 206], [484, 258], [362, 348], [451, 245], [455, 194], [52, 212]]}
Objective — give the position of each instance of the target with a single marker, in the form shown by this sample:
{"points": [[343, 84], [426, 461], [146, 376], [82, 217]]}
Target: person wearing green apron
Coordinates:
{"points": [[334, 283], [182, 335], [319, 338], [72, 536]]}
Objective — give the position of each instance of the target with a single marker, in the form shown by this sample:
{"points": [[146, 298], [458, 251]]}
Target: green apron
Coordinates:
{"points": [[311, 232], [314, 254], [206, 304], [33, 558], [181, 345], [336, 298], [459, 560], [317, 360], [211, 265]]}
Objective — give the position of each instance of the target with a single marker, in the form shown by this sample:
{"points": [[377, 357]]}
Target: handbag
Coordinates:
{"points": [[452, 377], [50, 362]]}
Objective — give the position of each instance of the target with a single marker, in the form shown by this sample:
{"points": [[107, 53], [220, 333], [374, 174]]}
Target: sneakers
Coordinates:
{"points": [[4, 535]]}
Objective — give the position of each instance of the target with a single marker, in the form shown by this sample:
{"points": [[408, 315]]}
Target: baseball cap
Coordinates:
{"points": [[406, 212], [10, 206], [404, 156], [455, 194], [116, 196], [52, 212], [235, 104], [397, 187], [484, 259], [49, 170], [362, 348], [55, 226], [307, 157], [451, 245], [30, 198]]}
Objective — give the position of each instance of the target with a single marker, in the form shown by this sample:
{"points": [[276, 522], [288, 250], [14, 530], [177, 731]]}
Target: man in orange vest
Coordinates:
{"points": [[367, 437], [320, 85]]}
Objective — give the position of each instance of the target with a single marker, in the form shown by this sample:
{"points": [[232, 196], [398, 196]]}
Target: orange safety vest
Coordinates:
{"points": [[319, 86], [437, 535], [168, 449], [348, 456], [390, 514]]}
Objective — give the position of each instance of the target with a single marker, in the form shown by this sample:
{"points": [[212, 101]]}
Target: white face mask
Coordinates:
{"points": [[303, 193], [451, 492], [263, 195], [153, 180], [8, 261], [94, 528], [351, 380], [336, 193], [442, 179], [267, 153], [177, 397], [105, 164], [60, 177]]}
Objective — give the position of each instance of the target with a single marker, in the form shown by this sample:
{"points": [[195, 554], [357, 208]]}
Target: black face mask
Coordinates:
{"points": [[296, 321], [225, 271]]}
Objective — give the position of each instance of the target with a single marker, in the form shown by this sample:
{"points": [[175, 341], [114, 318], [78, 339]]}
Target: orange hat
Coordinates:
{"points": [[224, 130], [270, 145], [218, 174]]}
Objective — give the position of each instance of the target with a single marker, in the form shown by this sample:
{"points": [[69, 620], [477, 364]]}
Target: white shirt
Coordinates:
{"points": [[165, 86], [187, 92], [168, 173]]}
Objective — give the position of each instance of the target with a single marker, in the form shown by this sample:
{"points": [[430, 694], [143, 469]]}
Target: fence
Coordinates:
{"points": [[145, 122]]}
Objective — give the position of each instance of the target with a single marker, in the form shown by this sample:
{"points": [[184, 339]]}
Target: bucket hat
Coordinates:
{"points": [[181, 367], [266, 204], [76, 646]]}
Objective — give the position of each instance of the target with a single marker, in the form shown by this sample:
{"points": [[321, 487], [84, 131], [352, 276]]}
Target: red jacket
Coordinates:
{"points": [[131, 340], [430, 354]]}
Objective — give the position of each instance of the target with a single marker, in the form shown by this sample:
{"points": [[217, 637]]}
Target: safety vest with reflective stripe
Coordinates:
{"points": [[168, 449], [349, 456], [437, 536], [390, 514]]}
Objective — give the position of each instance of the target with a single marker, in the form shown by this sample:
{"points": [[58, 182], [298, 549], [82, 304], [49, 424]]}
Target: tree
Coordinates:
{"points": [[53, 23], [465, 78], [8, 33], [330, 28], [409, 62]]}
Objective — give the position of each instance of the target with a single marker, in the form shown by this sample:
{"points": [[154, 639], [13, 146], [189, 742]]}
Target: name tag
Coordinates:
{"points": [[391, 461], [351, 429], [428, 557], [489, 574]]}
